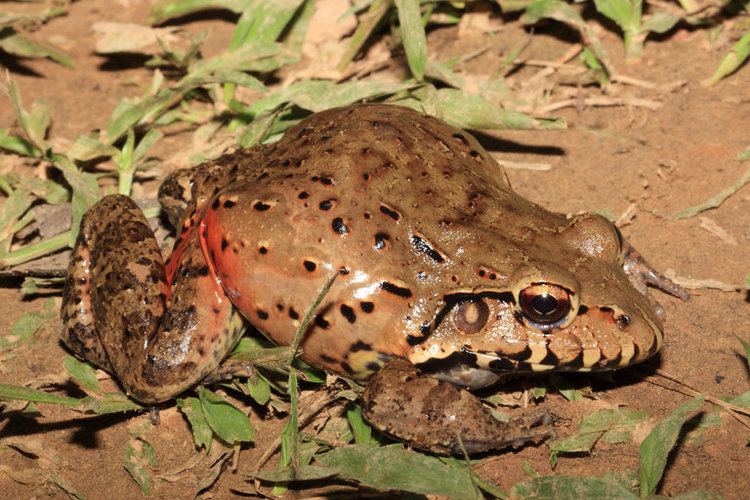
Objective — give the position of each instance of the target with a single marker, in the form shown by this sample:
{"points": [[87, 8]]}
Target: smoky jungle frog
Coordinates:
{"points": [[448, 278]]}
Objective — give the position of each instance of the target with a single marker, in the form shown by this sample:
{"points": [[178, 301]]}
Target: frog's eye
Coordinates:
{"points": [[545, 305], [470, 316]]}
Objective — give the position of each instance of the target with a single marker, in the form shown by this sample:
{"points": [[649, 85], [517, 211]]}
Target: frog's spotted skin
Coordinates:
{"points": [[441, 264]]}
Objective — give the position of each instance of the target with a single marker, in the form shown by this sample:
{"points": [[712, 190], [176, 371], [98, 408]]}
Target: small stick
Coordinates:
{"points": [[685, 389], [601, 102]]}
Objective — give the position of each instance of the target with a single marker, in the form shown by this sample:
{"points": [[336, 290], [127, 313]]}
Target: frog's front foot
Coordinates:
{"points": [[440, 418], [642, 275]]}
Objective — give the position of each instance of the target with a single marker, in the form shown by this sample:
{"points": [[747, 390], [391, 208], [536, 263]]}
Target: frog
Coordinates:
{"points": [[446, 280]]}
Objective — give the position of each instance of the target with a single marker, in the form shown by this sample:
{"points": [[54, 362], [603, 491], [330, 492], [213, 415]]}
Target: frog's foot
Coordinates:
{"points": [[642, 275], [439, 417]]}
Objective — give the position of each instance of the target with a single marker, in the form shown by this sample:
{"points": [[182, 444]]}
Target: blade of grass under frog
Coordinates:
{"points": [[290, 432]]}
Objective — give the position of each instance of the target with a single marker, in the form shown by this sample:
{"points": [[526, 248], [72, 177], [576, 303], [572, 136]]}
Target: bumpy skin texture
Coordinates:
{"points": [[435, 249]]}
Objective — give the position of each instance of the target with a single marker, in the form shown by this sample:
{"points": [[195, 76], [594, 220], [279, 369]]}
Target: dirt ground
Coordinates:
{"points": [[609, 158]]}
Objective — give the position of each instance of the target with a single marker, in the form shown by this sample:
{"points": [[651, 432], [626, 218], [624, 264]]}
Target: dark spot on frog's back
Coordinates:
{"points": [[395, 289], [339, 226], [360, 346], [422, 246], [390, 212], [367, 306], [348, 313], [380, 240], [229, 203], [260, 206]]}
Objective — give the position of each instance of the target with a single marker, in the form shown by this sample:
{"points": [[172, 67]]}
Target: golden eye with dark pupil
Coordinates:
{"points": [[471, 316], [544, 304]]}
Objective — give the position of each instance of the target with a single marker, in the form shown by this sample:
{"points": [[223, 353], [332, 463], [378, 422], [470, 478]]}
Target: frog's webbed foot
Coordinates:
{"points": [[439, 417], [642, 275]]}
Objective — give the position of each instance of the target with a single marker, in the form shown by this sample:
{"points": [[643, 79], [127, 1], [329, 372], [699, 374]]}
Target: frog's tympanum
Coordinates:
{"points": [[447, 277]]}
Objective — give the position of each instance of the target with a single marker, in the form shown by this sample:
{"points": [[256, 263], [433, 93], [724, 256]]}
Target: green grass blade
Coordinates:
{"points": [[732, 61], [413, 36], [19, 45], [263, 22], [169, 9], [367, 25]]}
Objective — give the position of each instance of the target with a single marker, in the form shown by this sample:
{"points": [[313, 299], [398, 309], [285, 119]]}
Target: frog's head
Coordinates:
{"points": [[566, 306]]}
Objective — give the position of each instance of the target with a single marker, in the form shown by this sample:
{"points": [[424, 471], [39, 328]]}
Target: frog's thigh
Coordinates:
{"points": [[436, 416], [155, 349], [116, 290]]}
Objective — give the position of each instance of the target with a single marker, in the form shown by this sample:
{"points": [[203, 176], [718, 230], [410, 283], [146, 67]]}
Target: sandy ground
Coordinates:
{"points": [[658, 161]]}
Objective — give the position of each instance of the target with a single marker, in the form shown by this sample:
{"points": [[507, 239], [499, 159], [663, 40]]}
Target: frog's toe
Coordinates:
{"points": [[642, 275]]}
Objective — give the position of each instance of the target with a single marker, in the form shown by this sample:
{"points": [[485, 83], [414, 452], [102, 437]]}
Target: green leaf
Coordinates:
{"points": [[165, 10], [228, 422], [657, 445], [27, 325], [659, 22], [392, 467], [603, 424], [17, 44], [8, 391], [571, 487], [140, 460], [85, 191], [17, 144], [360, 428], [202, 433], [742, 400], [413, 35], [565, 13], [471, 111], [319, 95], [732, 61], [746, 347], [110, 402], [262, 22], [302, 473], [15, 205], [259, 390], [83, 374]]}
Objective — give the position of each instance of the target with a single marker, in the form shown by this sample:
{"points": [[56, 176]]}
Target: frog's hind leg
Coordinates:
{"points": [[439, 417], [120, 311]]}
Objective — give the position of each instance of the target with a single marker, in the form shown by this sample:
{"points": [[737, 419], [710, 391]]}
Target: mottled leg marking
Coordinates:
{"points": [[121, 310], [642, 275], [439, 417]]}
